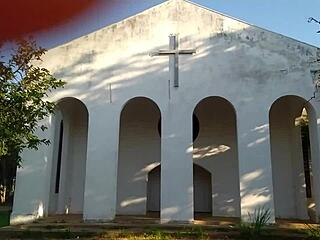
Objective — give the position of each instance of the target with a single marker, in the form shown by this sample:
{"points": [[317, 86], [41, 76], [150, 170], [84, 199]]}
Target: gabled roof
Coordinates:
{"points": [[123, 21]]}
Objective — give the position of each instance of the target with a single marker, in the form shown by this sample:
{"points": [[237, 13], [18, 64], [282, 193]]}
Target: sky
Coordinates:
{"points": [[59, 21], [288, 17]]}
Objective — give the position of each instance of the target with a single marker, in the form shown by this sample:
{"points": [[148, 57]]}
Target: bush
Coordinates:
{"points": [[4, 218], [313, 232], [257, 221]]}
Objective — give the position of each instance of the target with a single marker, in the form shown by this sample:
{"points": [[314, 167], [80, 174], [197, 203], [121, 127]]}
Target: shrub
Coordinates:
{"points": [[257, 221], [313, 232]]}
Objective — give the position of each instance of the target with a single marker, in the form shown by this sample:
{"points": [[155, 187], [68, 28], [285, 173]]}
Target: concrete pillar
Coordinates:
{"points": [[63, 196], [255, 172], [176, 165], [102, 160], [298, 173], [52, 198], [314, 132], [31, 197]]}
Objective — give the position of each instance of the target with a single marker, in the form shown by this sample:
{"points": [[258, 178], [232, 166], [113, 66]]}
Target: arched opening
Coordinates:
{"points": [[289, 119], [69, 157], [201, 185], [215, 150], [139, 153]]}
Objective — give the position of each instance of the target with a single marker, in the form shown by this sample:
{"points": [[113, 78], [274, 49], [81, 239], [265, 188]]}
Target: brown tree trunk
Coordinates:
{"points": [[3, 180]]}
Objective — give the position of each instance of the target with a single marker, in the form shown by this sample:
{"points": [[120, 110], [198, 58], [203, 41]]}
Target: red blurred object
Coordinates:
{"points": [[20, 18]]}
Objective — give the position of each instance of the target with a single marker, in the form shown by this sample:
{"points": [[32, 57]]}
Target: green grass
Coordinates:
{"points": [[4, 218], [313, 232], [188, 233]]}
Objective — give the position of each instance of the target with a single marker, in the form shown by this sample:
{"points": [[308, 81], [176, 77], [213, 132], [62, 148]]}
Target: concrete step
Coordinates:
{"points": [[106, 230], [72, 226]]}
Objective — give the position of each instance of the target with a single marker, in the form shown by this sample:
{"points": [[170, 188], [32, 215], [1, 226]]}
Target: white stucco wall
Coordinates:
{"points": [[30, 202], [248, 66]]}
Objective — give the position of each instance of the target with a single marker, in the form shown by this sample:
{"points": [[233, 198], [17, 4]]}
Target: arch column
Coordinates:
{"points": [[62, 198], [176, 165], [314, 131], [255, 172], [102, 158]]}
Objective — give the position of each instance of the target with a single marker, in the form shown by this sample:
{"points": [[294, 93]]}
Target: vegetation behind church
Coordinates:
{"points": [[23, 90]]}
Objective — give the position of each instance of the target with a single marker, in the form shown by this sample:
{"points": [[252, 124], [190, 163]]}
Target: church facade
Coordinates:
{"points": [[178, 110]]}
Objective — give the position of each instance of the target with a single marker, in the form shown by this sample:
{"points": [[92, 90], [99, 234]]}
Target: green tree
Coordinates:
{"points": [[23, 90]]}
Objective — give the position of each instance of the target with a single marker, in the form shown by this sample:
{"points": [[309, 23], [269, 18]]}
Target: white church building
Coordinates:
{"points": [[180, 111]]}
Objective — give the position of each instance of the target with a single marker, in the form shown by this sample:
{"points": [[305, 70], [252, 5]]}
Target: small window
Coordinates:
{"points": [[58, 172]]}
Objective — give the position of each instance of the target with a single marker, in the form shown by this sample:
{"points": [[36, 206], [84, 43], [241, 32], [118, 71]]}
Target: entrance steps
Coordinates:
{"points": [[72, 226]]}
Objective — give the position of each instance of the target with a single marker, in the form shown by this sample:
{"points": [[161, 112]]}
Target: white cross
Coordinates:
{"points": [[173, 54]]}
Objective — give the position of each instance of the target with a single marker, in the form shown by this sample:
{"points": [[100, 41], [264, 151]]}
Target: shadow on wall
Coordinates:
{"points": [[215, 56], [139, 153], [215, 149], [69, 157], [293, 191]]}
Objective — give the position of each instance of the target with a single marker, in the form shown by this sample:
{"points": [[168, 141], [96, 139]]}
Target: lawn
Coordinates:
{"points": [[4, 218]]}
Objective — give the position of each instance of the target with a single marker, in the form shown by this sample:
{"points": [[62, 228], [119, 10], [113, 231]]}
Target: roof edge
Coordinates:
{"points": [[111, 24], [189, 2]]}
